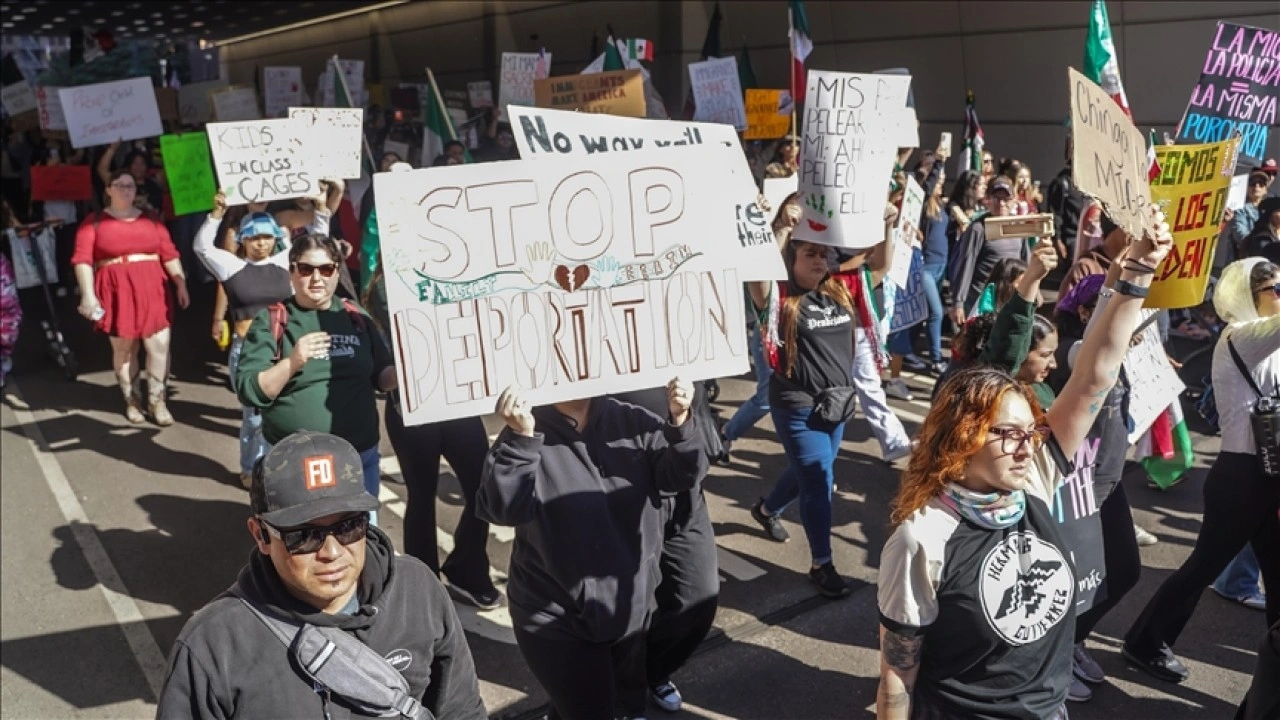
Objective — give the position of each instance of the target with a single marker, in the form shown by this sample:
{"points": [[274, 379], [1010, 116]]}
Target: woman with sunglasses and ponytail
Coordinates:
{"points": [[977, 589], [315, 361]]}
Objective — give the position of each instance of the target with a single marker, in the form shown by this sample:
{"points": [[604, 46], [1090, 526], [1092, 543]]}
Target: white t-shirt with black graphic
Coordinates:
{"points": [[995, 607]]}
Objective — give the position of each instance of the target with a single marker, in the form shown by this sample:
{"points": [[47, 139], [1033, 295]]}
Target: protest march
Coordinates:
{"points": [[535, 390]]}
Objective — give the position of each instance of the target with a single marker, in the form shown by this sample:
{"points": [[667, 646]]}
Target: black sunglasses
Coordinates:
{"points": [[307, 269], [310, 538]]}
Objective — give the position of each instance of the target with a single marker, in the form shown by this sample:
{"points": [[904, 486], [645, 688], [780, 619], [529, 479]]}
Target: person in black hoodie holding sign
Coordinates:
{"points": [[319, 562], [581, 482]]}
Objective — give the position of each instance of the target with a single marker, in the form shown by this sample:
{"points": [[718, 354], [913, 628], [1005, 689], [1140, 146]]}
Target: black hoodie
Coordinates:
{"points": [[585, 506], [227, 664]]}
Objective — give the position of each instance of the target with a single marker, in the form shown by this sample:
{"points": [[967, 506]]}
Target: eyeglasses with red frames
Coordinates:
{"points": [[1013, 439], [310, 538], [307, 269]]}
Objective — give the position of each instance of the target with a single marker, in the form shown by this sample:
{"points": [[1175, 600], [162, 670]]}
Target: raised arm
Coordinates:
{"points": [[104, 162], [221, 264], [1105, 344], [508, 492], [1009, 341]]}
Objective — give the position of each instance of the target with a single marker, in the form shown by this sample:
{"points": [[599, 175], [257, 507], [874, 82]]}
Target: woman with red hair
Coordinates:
{"points": [[977, 601]]}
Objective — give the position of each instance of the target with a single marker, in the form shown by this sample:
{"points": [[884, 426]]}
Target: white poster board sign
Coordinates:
{"points": [[260, 161], [519, 71], [1238, 192], [282, 89], [568, 276], [544, 133], [194, 106], [333, 139], [847, 155], [353, 73], [776, 192], [235, 104], [480, 94], [106, 112], [18, 98], [400, 149], [717, 92], [1153, 383], [905, 240], [49, 109]]}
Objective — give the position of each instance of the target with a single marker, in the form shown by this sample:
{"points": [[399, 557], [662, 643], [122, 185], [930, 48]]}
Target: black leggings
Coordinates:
{"points": [[1121, 559], [586, 680], [463, 443], [1240, 505], [689, 592]]}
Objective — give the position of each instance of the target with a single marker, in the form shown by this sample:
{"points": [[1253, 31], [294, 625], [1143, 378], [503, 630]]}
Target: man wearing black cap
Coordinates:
{"points": [[974, 255], [318, 562]]}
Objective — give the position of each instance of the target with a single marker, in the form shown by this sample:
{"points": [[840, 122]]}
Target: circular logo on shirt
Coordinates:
{"points": [[1026, 588], [399, 659]]}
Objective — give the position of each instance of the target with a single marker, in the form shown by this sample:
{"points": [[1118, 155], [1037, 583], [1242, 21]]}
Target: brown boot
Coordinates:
{"points": [[132, 403], [155, 400]]}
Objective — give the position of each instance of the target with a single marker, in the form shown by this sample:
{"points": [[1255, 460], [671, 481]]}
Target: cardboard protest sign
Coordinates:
{"points": [[49, 108], [480, 94], [1153, 383], [18, 98], [282, 89], [194, 105], [519, 72], [568, 276], [619, 92], [1238, 91], [846, 159], [103, 113], [1109, 157], [541, 133], [1192, 190], [905, 233], [910, 305], [235, 104], [768, 114], [189, 171], [261, 160], [61, 182], [717, 92], [333, 139]]}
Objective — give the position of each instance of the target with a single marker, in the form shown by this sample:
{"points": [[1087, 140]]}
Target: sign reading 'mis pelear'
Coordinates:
{"points": [[570, 277]]}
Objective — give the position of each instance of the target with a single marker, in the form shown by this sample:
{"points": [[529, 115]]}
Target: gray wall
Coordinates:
{"points": [[1013, 55]]}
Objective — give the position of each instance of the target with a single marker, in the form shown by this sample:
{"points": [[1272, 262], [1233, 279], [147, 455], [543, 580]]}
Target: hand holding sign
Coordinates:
{"points": [[515, 411], [1044, 258], [1155, 244], [679, 400]]}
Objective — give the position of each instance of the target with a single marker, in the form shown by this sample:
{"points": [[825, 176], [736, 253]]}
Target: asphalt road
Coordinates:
{"points": [[114, 534]]}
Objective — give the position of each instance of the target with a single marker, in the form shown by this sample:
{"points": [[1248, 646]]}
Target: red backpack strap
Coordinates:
{"points": [[277, 315]]}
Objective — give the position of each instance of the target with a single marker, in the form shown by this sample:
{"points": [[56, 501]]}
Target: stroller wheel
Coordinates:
{"points": [[713, 390]]}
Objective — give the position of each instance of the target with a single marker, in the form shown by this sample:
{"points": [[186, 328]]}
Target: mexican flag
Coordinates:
{"points": [[612, 57], [1166, 448], [1100, 64], [974, 141], [1153, 164], [636, 49], [437, 126], [801, 46]]}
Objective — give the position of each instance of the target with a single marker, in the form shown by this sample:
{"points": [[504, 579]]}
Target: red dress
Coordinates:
{"points": [[134, 293]]}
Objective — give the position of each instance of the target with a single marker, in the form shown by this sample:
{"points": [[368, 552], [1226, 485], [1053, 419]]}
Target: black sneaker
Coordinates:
{"points": [[1162, 664], [485, 599], [772, 524], [829, 582], [726, 445]]}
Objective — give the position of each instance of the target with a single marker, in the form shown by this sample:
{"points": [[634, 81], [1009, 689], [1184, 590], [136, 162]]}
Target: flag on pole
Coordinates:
{"points": [[1166, 450], [636, 49], [974, 141], [1153, 165], [710, 49], [746, 73], [342, 98], [612, 57], [437, 125], [1100, 64], [801, 46]]}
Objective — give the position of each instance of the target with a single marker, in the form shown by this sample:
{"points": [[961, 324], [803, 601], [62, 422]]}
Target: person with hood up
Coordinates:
{"points": [[582, 483], [318, 561]]}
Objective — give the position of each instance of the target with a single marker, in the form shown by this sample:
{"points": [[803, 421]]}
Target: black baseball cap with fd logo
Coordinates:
{"points": [[309, 475]]}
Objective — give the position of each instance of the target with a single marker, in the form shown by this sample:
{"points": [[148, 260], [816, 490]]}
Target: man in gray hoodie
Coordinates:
{"points": [[318, 561]]}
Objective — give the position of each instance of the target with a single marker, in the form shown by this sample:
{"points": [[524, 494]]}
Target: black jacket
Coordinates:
{"points": [[227, 664], [1066, 203], [585, 506]]}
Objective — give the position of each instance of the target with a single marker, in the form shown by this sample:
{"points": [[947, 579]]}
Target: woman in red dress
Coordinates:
{"points": [[122, 260]]}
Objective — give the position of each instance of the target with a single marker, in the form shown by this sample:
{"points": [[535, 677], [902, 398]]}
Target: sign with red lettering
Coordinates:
{"points": [[1238, 91], [717, 92], [104, 113], [61, 182], [619, 92], [1192, 189]]}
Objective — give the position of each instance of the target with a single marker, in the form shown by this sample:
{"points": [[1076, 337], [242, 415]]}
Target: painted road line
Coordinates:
{"points": [[128, 616]]}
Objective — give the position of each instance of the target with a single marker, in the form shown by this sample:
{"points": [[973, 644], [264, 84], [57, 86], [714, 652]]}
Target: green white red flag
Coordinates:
{"points": [[1100, 64], [801, 46]]}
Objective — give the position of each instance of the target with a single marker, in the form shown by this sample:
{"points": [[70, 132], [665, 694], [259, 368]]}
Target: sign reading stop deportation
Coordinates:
{"points": [[260, 161], [1192, 189], [1109, 157], [619, 92], [568, 276]]}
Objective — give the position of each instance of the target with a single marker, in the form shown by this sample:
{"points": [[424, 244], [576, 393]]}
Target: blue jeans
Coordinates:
{"points": [[933, 296], [372, 476], [1240, 578], [252, 444], [811, 448], [750, 412]]}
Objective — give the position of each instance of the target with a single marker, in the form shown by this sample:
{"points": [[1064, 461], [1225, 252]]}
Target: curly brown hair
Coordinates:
{"points": [[953, 432]]}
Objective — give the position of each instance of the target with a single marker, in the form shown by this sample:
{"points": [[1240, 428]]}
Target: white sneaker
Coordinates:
{"points": [[666, 696], [897, 388], [1144, 538]]}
